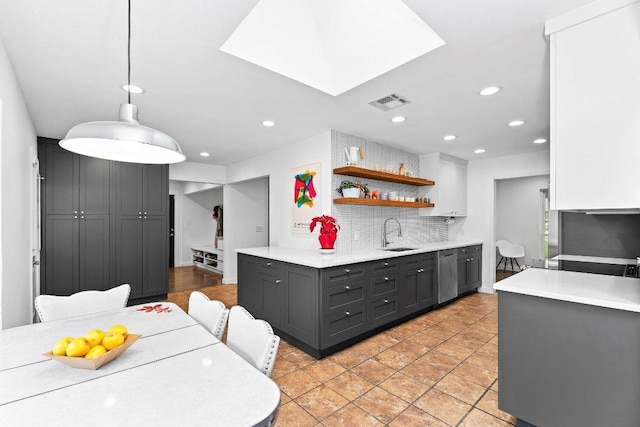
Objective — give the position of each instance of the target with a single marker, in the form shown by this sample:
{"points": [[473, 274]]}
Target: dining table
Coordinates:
{"points": [[176, 373]]}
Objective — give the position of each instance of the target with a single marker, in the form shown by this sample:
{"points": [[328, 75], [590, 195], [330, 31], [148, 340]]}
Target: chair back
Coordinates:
{"points": [[211, 314], [52, 307], [252, 339], [509, 250]]}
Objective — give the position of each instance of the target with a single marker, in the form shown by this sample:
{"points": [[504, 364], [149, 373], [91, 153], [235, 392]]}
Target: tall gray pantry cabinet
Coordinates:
{"points": [[103, 224]]}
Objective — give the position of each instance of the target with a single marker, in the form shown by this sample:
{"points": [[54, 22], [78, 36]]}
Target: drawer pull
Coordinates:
{"points": [[346, 270], [420, 270], [386, 279], [386, 301], [471, 259], [386, 264], [278, 282], [347, 287], [268, 264], [346, 313]]}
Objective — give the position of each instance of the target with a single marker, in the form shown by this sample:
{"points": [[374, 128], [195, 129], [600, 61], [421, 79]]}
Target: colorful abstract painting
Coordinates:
{"points": [[306, 203]]}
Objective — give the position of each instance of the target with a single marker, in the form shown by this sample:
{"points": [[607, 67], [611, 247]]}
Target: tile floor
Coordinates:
{"points": [[439, 369]]}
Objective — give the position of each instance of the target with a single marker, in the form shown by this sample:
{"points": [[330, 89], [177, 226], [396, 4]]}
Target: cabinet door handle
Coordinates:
{"points": [[386, 264], [81, 216], [346, 270], [386, 301], [139, 212], [278, 282], [145, 212], [268, 264], [420, 270], [346, 313], [75, 216], [347, 287], [471, 259], [145, 217], [75, 212], [386, 279], [81, 212]]}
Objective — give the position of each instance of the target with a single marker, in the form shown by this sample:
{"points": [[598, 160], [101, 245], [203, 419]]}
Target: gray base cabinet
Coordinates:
{"points": [[325, 308], [567, 364], [469, 268]]}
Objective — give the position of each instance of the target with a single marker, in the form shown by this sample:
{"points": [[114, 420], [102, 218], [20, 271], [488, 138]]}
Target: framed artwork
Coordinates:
{"points": [[306, 196]]}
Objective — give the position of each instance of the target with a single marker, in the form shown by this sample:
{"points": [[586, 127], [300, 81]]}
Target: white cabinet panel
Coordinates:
{"points": [[595, 113], [449, 194]]}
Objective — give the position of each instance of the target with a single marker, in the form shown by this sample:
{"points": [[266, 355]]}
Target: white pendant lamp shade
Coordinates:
{"points": [[125, 140]]}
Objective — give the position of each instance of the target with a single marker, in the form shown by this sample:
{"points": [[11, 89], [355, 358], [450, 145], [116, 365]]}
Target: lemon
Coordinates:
{"points": [[95, 352], [78, 347], [60, 348], [94, 337], [112, 340], [119, 329]]}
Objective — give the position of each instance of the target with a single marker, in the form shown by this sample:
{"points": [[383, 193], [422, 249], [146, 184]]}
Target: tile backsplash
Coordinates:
{"points": [[361, 226]]}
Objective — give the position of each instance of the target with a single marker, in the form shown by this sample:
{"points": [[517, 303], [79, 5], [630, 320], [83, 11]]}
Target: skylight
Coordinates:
{"points": [[331, 45]]}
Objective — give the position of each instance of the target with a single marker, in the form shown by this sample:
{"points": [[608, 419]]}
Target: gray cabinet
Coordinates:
{"points": [[469, 268], [76, 227], [285, 295], [383, 291], [344, 312], [141, 228], [96, 234], [419, 282]]}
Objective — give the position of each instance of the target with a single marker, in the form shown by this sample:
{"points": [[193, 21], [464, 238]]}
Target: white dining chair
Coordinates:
{"points": [[252, 339], [53, 307], [509, 252], [211, 314]]}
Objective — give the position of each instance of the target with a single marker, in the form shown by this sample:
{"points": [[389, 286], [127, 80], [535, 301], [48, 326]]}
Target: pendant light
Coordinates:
{"points": [[124, 140]]}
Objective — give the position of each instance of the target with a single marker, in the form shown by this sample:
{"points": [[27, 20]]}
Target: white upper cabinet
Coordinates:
{"points": [[449, 193], [595, 107]]}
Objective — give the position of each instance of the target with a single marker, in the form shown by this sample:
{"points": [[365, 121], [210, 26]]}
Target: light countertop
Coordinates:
{"points": [[313, 258], [602, 260], [622, 293]]}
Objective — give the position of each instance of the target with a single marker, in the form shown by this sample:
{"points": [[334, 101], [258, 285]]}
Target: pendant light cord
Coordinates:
{"points": [[129, 53]]}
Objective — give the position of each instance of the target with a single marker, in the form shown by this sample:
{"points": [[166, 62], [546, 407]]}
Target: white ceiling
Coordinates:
{"points": [[70, 59]]}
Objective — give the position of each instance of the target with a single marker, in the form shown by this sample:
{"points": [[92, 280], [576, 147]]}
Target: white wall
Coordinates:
{"points": [[277, 166], [481, 190], [194, 225], [519, 215], [246, 221], [18, 150], [197, 172]]}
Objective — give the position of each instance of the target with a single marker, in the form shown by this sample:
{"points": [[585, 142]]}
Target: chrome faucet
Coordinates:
{"points": [[385, 242]]}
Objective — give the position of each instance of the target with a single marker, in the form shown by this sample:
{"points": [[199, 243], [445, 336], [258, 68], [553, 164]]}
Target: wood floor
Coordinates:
{"points": [[439, 369]]}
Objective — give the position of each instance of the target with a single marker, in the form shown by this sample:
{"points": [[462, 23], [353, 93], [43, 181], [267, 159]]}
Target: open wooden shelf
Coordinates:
{"points": [[382, 176], [378, 202]]}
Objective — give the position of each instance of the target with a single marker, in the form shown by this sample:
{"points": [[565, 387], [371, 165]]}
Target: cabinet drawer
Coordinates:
{"points": [[383, 285], [383, 310], [270, 267], [384, 266], [345, 293], [336, 276], [345, 323], [469, 251]]}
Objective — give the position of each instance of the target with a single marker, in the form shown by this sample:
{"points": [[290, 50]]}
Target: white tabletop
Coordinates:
{"points": [[622, 293], [175, 374]]}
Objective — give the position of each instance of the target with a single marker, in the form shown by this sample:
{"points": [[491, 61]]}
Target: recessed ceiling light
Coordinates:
{"points": [[269, 123], [480, 151], [398, 119], [132, 89], [491, 90], [515, 123], [205, 154], [449, 137], [539, 141]]}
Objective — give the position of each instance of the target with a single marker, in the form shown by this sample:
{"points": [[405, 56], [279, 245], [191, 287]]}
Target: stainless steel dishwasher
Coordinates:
{"points": [[447, 275]]}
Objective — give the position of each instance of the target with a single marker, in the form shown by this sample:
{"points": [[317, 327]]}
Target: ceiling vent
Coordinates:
{"points": [[390, 102]]}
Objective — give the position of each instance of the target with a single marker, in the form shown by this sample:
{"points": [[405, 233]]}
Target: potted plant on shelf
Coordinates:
{"points": [[328, 232], [353, 189]]}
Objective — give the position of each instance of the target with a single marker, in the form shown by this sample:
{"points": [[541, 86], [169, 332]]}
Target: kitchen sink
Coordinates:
{"points": [[398, 249]]}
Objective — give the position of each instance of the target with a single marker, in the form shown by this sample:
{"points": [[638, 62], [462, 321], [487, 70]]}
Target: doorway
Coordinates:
{"points": [[172, 232]]}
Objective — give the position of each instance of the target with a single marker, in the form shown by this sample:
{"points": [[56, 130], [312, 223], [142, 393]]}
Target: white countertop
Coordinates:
{"points": [[622, 293], [601, 260], [313, 258]]}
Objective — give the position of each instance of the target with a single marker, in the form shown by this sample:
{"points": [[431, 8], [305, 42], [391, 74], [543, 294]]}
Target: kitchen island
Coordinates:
{"points": [[569, 348], [323, 303]]}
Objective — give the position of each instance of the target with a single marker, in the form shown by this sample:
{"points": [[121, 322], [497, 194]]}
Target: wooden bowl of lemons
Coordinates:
{"points": [[95, 349]]}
